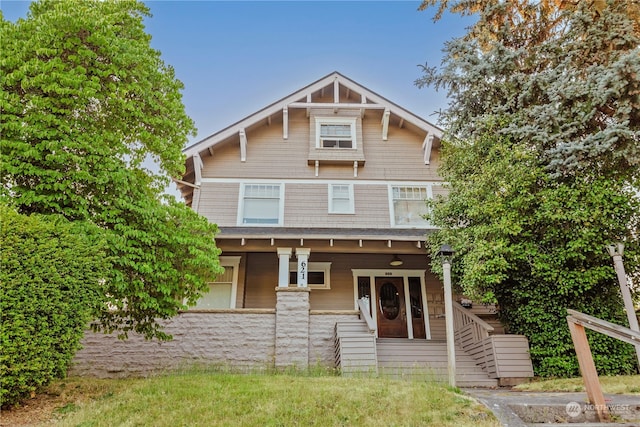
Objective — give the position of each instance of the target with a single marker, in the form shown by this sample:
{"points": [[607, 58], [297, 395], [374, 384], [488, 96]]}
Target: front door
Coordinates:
{"points": [[391, 311]]}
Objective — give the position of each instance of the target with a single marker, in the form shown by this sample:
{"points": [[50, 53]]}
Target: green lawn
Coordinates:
{"points": [[226, 399], [624, 384]]}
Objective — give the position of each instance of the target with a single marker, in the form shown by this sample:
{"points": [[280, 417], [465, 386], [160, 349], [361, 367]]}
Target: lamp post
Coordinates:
{"points": [[616, 253], [446, 253]]}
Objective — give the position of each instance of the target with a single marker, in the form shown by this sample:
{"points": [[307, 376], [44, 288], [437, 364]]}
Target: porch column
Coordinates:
{"points": [[283, 271], [292, 327], [303, 266]]}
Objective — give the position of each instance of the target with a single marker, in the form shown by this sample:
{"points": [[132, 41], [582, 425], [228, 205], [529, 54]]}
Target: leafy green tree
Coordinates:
{"points": [[85, 101], [50, 273], [542, 159]]}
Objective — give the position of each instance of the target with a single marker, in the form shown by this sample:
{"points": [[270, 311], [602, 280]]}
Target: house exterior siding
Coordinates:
{"points": [[266, 181]]}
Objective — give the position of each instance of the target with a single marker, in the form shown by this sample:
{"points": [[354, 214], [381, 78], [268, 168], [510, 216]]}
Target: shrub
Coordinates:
{"points": [[50, 271]]}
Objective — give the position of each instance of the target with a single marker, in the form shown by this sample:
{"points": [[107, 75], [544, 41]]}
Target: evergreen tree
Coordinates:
{"points": [[542, 159]]}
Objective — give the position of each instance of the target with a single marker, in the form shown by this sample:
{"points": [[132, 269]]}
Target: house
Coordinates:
{"points": [[320, 198]]}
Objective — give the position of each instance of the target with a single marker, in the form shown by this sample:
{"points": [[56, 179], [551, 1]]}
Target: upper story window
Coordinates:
{"points": [[336, 133], [408, 206], [341, 200], [261, 204]]}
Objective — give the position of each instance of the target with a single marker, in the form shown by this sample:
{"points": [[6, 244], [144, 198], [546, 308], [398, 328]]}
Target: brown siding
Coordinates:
{"points": [[261, 280], [371, 207], [270, 156], [219, 203]]}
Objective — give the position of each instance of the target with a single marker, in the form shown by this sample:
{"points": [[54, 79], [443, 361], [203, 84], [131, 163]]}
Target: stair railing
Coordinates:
{"points": [[577, 323], [363, 305], [469, 328], [470, 333]]}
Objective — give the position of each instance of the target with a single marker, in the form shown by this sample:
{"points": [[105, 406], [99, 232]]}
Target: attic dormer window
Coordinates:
{"points": [[339, 133]]}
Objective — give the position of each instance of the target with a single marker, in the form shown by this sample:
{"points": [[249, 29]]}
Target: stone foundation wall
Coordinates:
{"points": [[241, 338], [234, 338]]}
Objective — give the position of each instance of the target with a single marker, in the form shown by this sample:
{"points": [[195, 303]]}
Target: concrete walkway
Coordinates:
{"points": [[525, 409]]}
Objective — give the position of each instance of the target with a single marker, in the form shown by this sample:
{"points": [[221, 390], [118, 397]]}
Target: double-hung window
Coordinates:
{"points": [[336, 133], [222, 293], [408, 205], [341, 199], [261, 204]]}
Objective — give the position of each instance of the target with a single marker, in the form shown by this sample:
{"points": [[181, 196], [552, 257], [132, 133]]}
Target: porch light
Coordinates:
{"points": [[396, 261], [446, 253]]}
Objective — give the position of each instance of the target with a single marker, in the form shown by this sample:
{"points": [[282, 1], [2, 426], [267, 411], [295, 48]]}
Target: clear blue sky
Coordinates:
{"points": [[238, 57]]}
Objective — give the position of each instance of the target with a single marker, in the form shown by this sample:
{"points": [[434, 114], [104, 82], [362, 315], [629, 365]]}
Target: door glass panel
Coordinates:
{"points": [[364, 287], [389, 301], [416, 297]]}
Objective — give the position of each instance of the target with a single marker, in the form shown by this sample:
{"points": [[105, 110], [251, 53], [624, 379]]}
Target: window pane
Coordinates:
{"points": [[341, 206], [341, 201], [262, 191], [219, 296], [336, 136], [335, 130], [261, 204], [409, 205], [261, 211], [341, 191], [315, 278]]}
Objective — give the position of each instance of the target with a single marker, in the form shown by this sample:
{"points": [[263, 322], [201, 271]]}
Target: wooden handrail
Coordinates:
{"points": [[577, 322], [468, 317], [363, 305], [610, 329]]}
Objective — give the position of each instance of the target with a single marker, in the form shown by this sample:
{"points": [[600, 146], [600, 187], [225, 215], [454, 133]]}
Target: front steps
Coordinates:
{"points": [[358, 352], [427, 359]]}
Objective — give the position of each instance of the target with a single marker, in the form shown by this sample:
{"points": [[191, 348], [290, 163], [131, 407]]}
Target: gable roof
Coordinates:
{"points": [[302, 98], [305, 98]]}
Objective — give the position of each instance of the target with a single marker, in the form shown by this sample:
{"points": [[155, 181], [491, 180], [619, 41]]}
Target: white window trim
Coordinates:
{"points": [[315, 267], [240, 218], [392, 213], [351, 209], [234, 262], [336, 121]]}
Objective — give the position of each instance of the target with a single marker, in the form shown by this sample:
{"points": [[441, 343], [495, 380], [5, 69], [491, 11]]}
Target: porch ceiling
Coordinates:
{"points": [[268, 239]]}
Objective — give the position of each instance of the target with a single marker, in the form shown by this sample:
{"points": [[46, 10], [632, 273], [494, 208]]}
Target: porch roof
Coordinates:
{"points": [[401, 234], [380, 240]]}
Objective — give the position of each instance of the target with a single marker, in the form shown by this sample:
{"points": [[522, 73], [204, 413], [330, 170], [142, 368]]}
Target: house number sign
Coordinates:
{"points": [[302, 274]]}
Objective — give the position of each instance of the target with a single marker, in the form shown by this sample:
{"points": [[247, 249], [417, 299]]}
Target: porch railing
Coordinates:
{"points": [[363, 305]]}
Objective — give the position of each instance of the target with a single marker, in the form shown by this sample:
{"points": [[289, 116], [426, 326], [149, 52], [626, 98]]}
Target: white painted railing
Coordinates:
{"points": [[363, 305]]}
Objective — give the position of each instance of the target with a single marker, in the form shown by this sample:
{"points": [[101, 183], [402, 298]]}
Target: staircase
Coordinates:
{"points": [[355, 348], [358, 352], [427, 359]]}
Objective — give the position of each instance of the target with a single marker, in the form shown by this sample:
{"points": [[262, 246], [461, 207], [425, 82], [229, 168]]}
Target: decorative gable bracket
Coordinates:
{"points": [[426, 146]]}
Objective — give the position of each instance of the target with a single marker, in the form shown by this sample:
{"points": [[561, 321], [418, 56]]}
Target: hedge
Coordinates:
{"points": [[50, 276]]}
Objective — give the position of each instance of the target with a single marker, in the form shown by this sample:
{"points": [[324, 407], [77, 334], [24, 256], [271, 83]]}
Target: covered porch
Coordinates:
{"points": [[363, 303]]}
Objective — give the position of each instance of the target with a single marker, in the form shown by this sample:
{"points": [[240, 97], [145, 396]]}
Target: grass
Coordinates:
{"points": [[624, 384], [203, 398]]}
